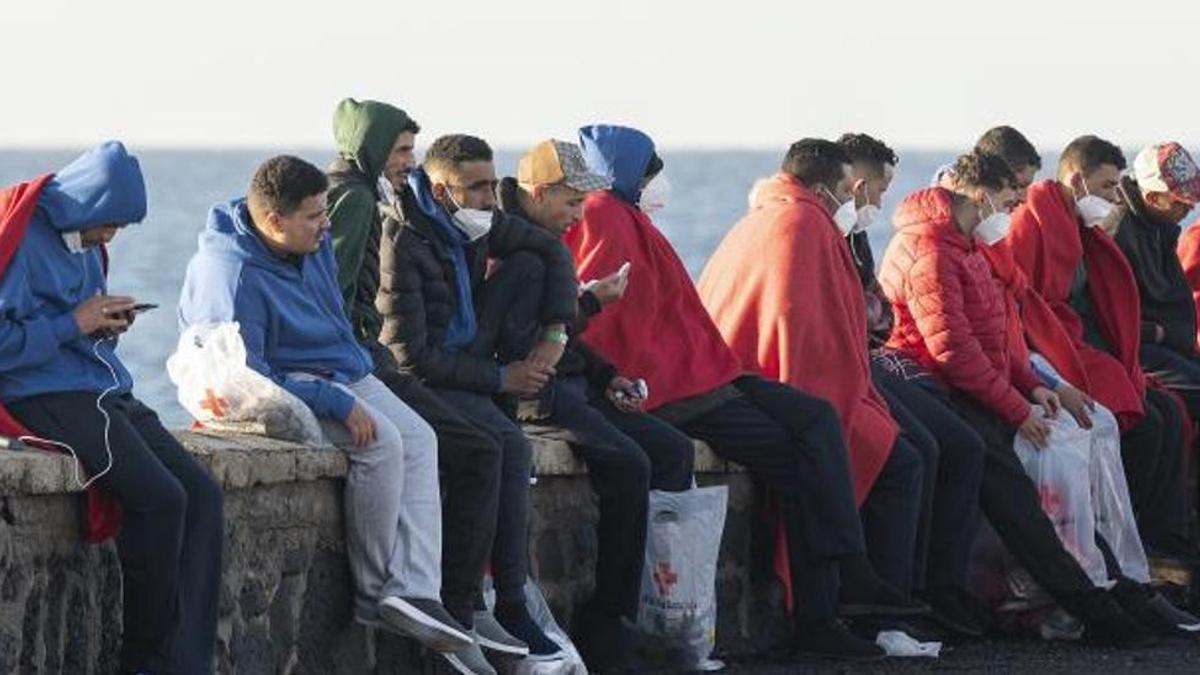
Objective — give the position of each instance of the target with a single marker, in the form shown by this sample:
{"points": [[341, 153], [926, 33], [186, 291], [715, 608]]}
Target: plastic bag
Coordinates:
{"points": [[535, 604], [221, 392], [678, 611]]}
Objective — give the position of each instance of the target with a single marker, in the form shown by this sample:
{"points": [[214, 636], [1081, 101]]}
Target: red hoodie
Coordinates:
{"points": [[659, 331], [950, 314], [17, 203], [784, 291], [1047, 242]]}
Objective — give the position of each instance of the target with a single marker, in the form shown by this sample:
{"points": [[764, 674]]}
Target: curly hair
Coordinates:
{"points": [[281, 184], [980, 170], [1010, 145], [868, 150]]}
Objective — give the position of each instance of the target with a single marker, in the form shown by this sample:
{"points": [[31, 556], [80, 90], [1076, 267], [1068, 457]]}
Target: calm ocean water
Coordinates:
{"points": [[709, 192]]}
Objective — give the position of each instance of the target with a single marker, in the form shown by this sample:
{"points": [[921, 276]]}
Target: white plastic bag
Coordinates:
{"points": [[539, 611], [678, 610], [1110, 499], [221, 392]]}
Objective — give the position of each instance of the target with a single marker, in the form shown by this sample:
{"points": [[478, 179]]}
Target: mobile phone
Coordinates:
{"points": [[143, 307]]}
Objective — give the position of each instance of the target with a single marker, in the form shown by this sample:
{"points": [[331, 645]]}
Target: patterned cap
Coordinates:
{"points": [[553, 161], [1167, 167]]}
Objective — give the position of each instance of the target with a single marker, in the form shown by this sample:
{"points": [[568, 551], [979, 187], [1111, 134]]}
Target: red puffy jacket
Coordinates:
{"points": [[950, 313]]}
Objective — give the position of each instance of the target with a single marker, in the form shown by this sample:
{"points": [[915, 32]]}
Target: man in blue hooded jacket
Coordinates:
{"points": [[61, 379], [266, 262]]}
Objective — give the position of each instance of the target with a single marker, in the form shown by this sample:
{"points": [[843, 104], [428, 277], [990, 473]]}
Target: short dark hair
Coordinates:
{"points": [[1088, 153], [815, 160], [654, 166], [865, 149], [1009, 145], [448, 151], [981, 170], [282, 183]]}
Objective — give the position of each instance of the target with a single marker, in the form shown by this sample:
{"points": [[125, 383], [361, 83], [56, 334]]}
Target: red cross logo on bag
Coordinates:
{"points": [[214, 404], [664, 578]]}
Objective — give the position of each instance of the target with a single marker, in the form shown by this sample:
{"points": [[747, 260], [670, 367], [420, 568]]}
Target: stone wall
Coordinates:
{"points": [[285, 597]]}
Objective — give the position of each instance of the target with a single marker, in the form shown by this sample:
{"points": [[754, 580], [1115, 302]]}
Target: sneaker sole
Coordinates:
{"points": [[458, 665], [409, 620], [500, 647]]}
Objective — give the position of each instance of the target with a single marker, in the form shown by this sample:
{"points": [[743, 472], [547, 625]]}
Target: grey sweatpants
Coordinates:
{"points": [[393, 509]]}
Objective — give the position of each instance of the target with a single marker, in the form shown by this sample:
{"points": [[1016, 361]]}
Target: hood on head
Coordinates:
{"points": [[365, 132], [103, 186], [620, 154]]}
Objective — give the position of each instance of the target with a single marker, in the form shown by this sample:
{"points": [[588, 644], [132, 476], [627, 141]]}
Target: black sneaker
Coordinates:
{"points": [[1154, 611], [604, 641], [426, 621], [957, 611], [882, 600], [515, 619], [1107, 625], [833, 640]]}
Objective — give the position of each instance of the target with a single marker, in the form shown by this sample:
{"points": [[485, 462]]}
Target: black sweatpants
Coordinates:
{"points": [[954, 453], [1010, 502], [172, 532], [1152, 453], [793, 442], [469, 464], [627, 455]]}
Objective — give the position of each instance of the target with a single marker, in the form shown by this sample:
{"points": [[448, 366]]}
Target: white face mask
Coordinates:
{"points": [[73, 241], [474, 223], [867, 213], [656, 194], [846, 216], [995, 227], [1093, 209]]}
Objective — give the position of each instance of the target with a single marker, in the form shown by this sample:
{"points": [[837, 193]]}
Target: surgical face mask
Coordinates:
{"points": [[995, 227], [474, 223], [846, 216], [867, 213], [74, 241], [656, 194], [1093, 209]]}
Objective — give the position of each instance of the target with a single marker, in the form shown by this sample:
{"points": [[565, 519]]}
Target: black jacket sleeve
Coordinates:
{"points": [[405, 261], [511, 234]]}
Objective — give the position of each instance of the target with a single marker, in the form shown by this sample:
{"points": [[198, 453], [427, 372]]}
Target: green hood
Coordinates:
{"points": [[365, 132]]}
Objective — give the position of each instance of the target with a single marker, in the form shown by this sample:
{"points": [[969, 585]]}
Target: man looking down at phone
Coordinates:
{"points": [[598, 412], [61, 380]]}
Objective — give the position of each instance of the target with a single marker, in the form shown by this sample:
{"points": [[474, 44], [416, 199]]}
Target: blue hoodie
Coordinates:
{"points": [[621, 154], [460, 332], [290, 313], [41, 348]]}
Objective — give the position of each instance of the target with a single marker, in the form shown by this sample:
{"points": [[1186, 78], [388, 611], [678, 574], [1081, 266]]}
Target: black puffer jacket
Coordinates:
{"points": [[1149, 246], [417, 296]]}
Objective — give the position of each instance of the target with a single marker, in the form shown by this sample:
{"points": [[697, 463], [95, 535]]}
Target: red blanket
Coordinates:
{"points": [[103, 517], [659, 331], [1047, 243], [783, 289]]}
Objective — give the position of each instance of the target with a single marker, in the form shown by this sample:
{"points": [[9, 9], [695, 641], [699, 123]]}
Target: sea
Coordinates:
{"points": [[708, 195]]}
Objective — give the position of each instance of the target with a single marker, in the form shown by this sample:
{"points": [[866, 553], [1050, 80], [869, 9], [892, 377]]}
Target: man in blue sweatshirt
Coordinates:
{"points": [[61, 380], [266, 262]]}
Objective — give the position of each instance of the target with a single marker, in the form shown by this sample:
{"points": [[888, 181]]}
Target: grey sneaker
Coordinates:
{"points": [[424, 620], [470, 661], [1181, 619], [492, 636]]}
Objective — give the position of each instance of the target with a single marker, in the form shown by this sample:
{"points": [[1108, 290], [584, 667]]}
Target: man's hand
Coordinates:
{"points": [[1035, 429], [546, 353], [612, 287], [360, 425], [103, 314], [525, 378], [1078, 404], [624, 394], [1047, 399]]}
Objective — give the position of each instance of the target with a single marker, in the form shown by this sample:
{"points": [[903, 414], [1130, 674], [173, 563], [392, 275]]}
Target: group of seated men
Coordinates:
{"points": [[431, 316]]}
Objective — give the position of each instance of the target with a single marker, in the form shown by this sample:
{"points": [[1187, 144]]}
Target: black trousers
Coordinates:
{"points": [[627, 455], [172, 533], [793, 442], [1152, 453], [1010, 501], [469, 464], [891, 514], [1180, 373], [954, 456]]}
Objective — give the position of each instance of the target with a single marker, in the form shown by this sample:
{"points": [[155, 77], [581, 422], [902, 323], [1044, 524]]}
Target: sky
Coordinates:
{"points": [[926, 74]]}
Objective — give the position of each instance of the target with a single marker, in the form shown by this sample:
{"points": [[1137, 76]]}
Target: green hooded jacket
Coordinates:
{"points": [[365, 132]]}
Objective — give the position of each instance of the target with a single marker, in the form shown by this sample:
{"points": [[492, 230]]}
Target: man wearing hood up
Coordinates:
{"points": [[375, 156], [661, 331], [480, 340], [65, 387], [266, 262]]}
